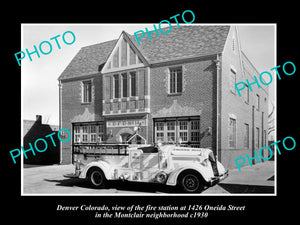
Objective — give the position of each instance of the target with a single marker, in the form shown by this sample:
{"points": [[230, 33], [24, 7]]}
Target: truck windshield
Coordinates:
{"points": [[101, 149]]}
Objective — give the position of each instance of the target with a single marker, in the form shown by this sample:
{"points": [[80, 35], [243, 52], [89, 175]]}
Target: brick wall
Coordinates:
{"points": [[234, 106], [73, 110], [196, 98]]}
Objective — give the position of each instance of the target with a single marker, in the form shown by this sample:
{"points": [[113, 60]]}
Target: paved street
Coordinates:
{"points": [[50, 180]]}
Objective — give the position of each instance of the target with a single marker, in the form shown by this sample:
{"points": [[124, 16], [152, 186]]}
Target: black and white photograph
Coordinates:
{"points": [[179, 109]]}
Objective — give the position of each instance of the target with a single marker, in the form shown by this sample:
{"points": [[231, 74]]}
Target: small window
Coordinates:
{"points": [[195, 131], [170, 131], [232, 133], [159, 126], [171, 125], [87, 91], [195, 125], [84, 138], [183, 125], [246, 136], [247, 94], [93, 133], [232, 80], [175, 81], [257, 138]]}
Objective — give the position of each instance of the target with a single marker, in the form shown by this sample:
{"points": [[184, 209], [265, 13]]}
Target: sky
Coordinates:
{"points": [[40, 95]]}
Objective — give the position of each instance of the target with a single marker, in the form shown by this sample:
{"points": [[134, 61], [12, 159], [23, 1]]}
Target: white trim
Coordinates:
{"points": [[147, 110], [120, 67]]}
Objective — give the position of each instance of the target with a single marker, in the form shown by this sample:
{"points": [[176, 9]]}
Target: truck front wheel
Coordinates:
{"points": [[190, 182], [96, 178]]}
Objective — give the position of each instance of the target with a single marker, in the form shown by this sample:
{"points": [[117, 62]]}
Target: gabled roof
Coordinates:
{"points": [[179, 43]]}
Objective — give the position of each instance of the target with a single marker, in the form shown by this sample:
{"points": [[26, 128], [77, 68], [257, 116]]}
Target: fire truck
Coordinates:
{"points": [[192, 169]]}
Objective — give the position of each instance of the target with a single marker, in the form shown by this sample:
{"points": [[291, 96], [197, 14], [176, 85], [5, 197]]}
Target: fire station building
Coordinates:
{"points": [[176, 88]]}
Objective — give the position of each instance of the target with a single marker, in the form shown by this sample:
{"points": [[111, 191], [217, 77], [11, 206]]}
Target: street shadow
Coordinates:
{"points": [[121, 186], [118, 185], [246, 188], [68, 182]]}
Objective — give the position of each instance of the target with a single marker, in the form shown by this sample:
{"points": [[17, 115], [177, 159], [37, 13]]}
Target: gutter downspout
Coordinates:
{"points": [[60, 117], [218, 96]]}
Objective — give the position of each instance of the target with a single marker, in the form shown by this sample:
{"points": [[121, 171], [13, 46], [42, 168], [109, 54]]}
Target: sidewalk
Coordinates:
{"points": [[259, 178]]}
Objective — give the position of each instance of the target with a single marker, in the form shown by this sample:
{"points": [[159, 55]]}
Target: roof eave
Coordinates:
{"points": [[183, 59]]}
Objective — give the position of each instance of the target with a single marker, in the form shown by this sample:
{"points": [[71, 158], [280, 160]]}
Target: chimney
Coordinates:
{"points": [[38, 119]]}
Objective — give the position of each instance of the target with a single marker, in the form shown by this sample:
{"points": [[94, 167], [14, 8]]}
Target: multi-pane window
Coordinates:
{"points": [[184, 130], [77, 134], [195, 135], [85, 133], [246, 135], [159, 131], [232, 133], [88, 133], [175, 81], [87, 91], [171, 131], [133, 85], [93, 134], [116, 86]]}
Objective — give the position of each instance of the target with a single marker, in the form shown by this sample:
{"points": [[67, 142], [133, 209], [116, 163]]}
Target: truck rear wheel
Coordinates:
{"points": [[96, 178], [190, 182]]}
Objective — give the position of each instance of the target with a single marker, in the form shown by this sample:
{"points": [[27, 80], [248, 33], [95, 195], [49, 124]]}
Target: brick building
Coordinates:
{"points": [[176, 87]]}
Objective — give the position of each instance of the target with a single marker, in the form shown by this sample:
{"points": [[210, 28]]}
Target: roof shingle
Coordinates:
{"points": [[183, 42], [88, 59]]}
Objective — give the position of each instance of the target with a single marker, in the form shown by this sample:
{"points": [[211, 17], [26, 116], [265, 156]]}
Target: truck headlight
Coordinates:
{"points": [[161, 177]]}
